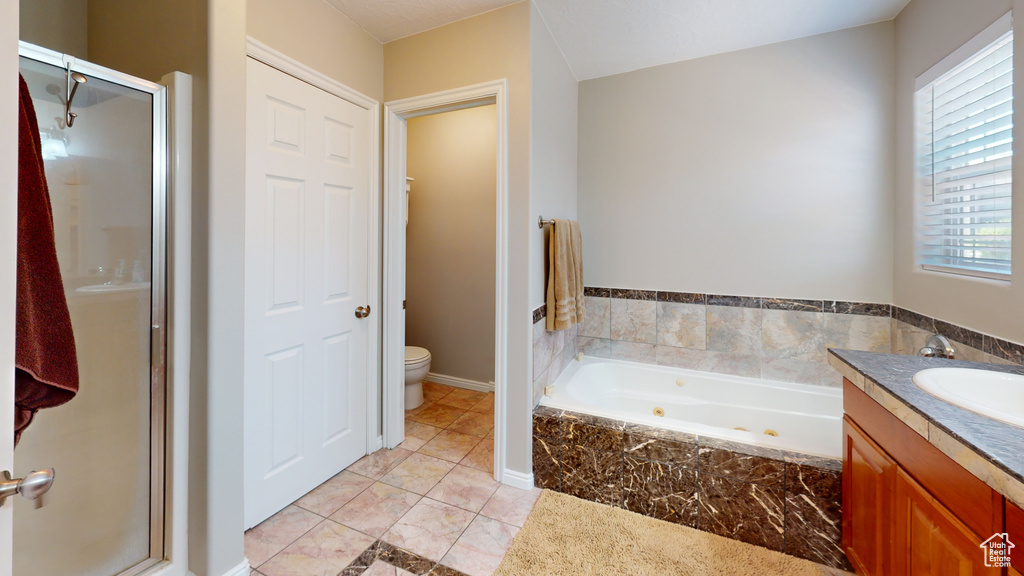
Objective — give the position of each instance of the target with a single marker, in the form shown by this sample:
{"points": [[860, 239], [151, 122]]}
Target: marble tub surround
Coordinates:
{"points": [[773, 338], [781, 500], [989, 449], [911, 330], [552, 350]]}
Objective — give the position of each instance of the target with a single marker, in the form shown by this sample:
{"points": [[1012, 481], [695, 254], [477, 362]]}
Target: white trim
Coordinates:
{"points": [[179, 318], [395, 115], [518, 479], [242, 569], [966, 272], [260, 51], [9, 96], [987, 36], [267, 55], [460, 382]]}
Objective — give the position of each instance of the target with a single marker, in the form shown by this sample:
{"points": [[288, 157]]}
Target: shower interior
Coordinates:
{"points": [[104, 140]]}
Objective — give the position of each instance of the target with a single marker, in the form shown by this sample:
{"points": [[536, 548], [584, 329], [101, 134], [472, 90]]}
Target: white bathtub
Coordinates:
{"points": [[808, 419]]}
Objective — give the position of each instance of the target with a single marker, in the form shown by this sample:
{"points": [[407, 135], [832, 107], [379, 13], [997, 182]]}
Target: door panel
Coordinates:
{"points": [[307, 202], [935, 542]]}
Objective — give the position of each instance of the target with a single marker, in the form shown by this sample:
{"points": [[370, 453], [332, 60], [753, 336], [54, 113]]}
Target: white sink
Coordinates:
{"points": [[997, 395]]}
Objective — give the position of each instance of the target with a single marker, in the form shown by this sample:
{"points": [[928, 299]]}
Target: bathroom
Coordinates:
{"points": [[450, 276], [725, 226]]}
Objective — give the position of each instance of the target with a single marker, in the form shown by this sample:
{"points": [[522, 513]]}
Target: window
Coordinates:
{"points": [[964, 140]]}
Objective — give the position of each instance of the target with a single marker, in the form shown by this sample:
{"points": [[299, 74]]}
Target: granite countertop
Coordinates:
{"points": [[991, 450]]}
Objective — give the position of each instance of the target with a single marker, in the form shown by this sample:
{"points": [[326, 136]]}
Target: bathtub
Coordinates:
{"points": [[807, 419]]}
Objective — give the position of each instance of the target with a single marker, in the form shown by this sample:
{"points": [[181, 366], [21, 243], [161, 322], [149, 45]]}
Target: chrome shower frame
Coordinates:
{"points": [[158, 280]]}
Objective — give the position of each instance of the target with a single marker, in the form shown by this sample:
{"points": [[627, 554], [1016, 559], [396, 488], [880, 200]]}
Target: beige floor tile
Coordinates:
{"points": [[433, 391], [451, 446], [379, 463], [480, 549], [277, 532], [462, 398], [491, 433], [326, 549], [511, 505], [416, 435], [328, 497], [429, 529], [438, 415], [481, 457], [380, 568], [485, 405], [464, 487], [376, 509], [414, 411], [473, 423], [418, 473]]}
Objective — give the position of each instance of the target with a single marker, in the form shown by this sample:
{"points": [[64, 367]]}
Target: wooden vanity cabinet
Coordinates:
{"points": [[908, 509], [867, 494], [929, 539], [1015, 533]]}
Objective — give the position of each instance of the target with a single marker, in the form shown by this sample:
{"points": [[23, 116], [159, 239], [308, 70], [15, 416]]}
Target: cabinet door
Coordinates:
{"points": [[931, 541], [868, 479], [1015, 533]]}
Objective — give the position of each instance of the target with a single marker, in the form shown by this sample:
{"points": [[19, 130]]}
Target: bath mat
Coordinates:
{"points": [[568, 536]]}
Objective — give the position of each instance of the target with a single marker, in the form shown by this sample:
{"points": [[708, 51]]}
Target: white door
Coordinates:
{"points": [[306, 242]]}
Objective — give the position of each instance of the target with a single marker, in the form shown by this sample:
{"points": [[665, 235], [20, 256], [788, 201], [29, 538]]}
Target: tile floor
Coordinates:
{"points": [[430, 506]]}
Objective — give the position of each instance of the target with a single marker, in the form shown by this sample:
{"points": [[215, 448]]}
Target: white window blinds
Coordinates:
{"points": [[964, 119]]}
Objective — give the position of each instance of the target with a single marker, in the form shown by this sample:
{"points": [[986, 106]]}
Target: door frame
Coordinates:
{"points": [[267, 55], [396, 113]]}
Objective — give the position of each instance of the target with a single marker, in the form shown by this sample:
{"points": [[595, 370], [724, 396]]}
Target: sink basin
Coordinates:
{"points": [[997, 395]]}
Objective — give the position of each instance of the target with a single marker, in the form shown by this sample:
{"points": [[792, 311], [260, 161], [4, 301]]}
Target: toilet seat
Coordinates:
{"points": [[415, 355]]}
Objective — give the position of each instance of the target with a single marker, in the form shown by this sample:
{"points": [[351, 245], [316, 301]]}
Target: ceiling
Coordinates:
{"points": [[605, 37]]}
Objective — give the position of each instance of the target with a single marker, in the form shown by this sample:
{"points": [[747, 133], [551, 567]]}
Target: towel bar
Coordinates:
{"points": [[541, 221]]}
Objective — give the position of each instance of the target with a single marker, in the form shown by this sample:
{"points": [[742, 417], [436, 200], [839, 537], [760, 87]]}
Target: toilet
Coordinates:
{"points": [[417, 365]]}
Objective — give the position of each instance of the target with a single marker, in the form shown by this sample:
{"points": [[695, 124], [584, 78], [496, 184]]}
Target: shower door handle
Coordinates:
{"points": [[31, 487], [362, 312]]}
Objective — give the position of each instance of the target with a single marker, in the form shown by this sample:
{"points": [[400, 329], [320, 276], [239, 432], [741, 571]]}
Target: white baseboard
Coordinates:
{"points": [[240, 570], [517, 479], [460, 382]]}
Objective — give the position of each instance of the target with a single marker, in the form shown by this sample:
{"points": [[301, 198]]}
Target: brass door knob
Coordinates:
{"points": [[362, 311]]}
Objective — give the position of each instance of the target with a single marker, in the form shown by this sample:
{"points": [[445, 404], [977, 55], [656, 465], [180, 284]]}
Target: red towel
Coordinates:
{"points": [[46, 373]]}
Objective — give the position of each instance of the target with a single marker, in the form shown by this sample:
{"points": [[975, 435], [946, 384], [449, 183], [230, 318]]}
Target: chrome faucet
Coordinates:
{"points": [[937, 347]]}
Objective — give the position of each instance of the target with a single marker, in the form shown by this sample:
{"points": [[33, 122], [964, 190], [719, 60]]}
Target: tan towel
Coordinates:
{"points": [[565, 276]]}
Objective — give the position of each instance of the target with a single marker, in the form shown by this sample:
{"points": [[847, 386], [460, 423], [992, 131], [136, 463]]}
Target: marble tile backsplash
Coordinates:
{"points": [[552, 351], [772, 338]]}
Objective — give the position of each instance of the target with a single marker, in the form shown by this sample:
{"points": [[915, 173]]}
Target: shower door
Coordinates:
{"points": [[106, 174]]}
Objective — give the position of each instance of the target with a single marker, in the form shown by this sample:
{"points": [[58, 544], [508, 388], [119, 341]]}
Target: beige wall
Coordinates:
{"points": [[60, 25], [206, 40], [488, 47], [553, 151], [449, 257], [926, 32], [145, 39], [341, 50], [763, 172]]}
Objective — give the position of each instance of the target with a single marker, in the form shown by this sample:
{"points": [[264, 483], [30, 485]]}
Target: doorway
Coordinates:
{"points": [[491, 95]]}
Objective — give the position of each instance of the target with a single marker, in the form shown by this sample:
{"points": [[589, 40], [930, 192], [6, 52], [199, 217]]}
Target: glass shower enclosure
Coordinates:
{"points": [[107, 178]]}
